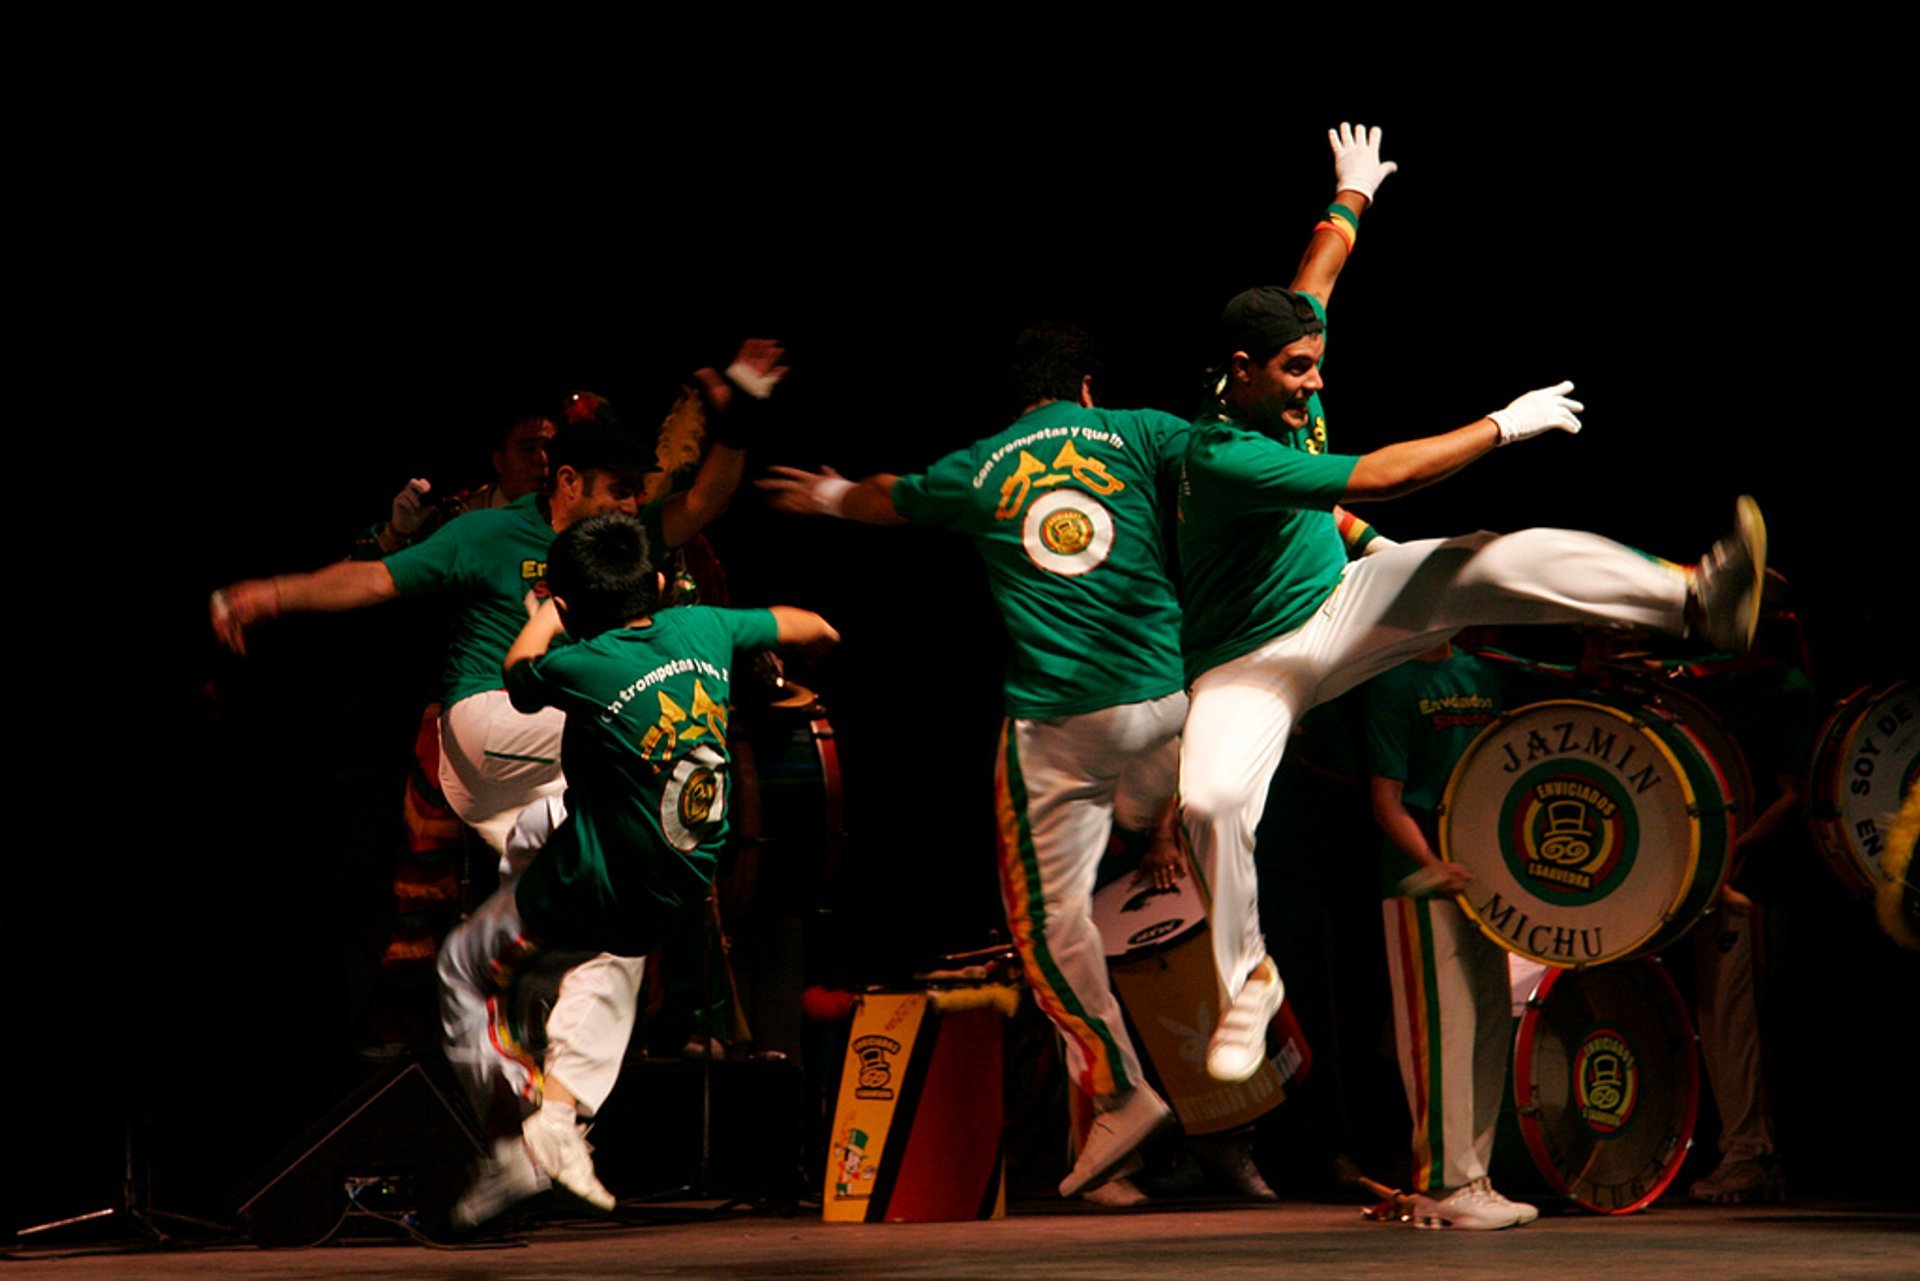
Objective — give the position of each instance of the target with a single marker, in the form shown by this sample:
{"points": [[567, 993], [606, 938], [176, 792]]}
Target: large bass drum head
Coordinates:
{"points": [[1607, 1081], [1592, 833]]}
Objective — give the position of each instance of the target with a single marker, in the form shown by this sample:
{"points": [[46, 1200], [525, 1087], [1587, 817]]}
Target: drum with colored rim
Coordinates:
{"points": [[1593, 833], [1606, 1083], [1863, 769], [1715, 740]]}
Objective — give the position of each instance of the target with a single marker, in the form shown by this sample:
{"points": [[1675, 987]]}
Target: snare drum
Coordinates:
{"points": [[1606, 1084], [1593, 833], [1863, 769]]}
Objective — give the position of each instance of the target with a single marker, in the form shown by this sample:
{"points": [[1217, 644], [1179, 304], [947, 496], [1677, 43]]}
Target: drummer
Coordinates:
{"points": [[1451, 1022]]}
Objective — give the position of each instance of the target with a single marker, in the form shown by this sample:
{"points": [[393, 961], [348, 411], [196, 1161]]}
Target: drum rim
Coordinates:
{"points": [[1664, 697], [1668, 915], [1530, 1129], [1826, 813]]}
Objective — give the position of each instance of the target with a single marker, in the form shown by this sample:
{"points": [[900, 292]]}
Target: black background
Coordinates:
{"points": [[270, 288]]}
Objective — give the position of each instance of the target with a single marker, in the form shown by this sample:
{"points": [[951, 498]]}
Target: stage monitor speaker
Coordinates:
{"points": [[395, 1152]]}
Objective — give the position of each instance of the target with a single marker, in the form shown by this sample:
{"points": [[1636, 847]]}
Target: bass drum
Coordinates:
{"points": [[1593, 833], [1606, 1084], [1714, 740], [1863, 770]]}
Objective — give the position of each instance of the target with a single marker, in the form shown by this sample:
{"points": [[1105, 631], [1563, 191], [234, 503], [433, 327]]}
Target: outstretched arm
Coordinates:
{"points": [[349, 584], [827, 493], [1402, 467], [752, 376], [1357, 174], [803, 629]]}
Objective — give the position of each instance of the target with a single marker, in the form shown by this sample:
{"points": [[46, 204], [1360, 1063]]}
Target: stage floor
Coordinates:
{"points": [[1670, 1242]]}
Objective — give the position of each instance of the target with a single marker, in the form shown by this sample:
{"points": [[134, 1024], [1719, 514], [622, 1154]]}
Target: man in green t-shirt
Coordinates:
{"points": [[493, 760], [1063, 507], [1451, 1021], [1276, 618], [644, 698]]}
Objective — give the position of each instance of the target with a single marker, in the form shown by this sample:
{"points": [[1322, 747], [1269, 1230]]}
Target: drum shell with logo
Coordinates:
{"points": [[1863, 768], [1606, 1085], [1593, 833], [1160, 958]]}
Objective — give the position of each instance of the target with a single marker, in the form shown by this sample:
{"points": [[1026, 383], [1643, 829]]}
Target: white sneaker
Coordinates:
{"points": [[1112, 1138], [1115, 1194], [1471, 1206], [1728, 581], [560, 1149], [1239, 1044], [1524, 1213], [506, 1177]]}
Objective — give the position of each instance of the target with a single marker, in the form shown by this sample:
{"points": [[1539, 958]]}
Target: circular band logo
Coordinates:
{"points": [[1067, 532], [694, 801], [1606, 1076], [1568, 832]]}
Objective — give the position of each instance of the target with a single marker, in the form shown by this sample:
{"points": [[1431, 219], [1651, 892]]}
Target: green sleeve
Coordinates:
{"points": [[753, 629], [1170, 435], [527, 687], [942, 495], [1264, 475], [433, 564]]}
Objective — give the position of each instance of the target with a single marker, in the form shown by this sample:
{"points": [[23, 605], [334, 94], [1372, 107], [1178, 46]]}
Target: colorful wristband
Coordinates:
{"points": [[1339, 228]]}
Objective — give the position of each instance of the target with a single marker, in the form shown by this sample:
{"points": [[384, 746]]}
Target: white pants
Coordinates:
{"points": [[1388, 607], [1060, 786], [1452, 1030], [496, 986], [494, 761]]}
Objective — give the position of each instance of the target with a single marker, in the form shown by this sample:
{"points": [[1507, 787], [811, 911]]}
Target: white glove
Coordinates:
{"points": [[1548, 409], [409, 511], [805, 493], [1356, 159]]}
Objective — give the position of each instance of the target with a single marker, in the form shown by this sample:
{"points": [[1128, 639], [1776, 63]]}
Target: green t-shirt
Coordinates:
{"points": [[1421, 718], [1259, 548], [494, 563], [1063, 507], [645, 754]]}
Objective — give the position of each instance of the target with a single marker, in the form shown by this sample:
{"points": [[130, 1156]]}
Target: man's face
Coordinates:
{"points": [[521, 463], [608, 491], [578, 495], [1274, 393]]}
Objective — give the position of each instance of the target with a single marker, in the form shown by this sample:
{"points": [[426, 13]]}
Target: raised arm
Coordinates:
{"points": [[1407, 465], [349, 584], [753, 374], [1357, 174], [827, 493]]}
